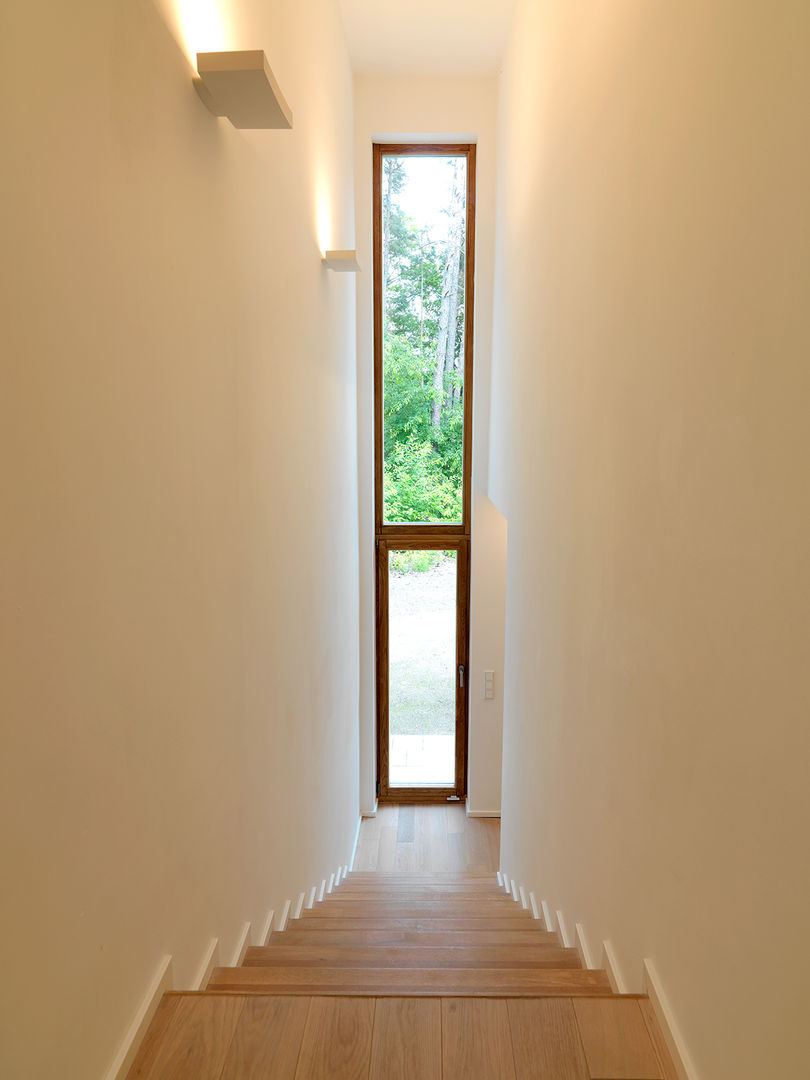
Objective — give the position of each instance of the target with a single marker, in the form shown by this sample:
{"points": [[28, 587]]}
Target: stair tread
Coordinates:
{"points": [[496, 907], [408, 922], [430, 981], [442, 888], [416, 875], [410, 956], [449, 894], [298, 935], [306, 935]]}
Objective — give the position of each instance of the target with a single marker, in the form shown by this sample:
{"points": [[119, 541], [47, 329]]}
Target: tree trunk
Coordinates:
{"points": [[448, 316]]}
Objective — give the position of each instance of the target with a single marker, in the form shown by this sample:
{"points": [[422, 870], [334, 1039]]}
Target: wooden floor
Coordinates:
{"points": [[232, 1037], [430, 838]]}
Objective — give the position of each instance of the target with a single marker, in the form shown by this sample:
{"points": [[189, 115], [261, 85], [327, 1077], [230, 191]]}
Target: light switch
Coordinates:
{"points": [[489, 685]]}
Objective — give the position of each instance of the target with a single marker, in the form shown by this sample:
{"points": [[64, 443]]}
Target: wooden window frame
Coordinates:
{"points": [[418, 530], [420, 535]]}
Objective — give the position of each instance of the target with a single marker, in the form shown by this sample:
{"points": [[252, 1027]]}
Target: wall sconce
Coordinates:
{"points": [[241, 86], [343, 261]]}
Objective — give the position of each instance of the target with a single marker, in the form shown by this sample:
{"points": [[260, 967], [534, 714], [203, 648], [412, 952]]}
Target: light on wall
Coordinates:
{"points": [[241, 86], [344, 261]]}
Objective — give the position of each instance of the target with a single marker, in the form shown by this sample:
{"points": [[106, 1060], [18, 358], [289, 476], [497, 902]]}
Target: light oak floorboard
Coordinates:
{"points": [[476, 1041], [545, 1040], [194, 1043], [337, 1040], [267, 1040], [432, 838], [407, 1040], [616, 1041], [155, 1033], [656, 1035]]}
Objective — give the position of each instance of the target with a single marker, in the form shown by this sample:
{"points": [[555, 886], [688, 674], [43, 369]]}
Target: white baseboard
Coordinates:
{"points": [[209, 962], [611, 966], [684, 1066], [565, 937], [267, 929], [548, 919], [283, 918], [370, 813], [321, 891], [484, 813], [299, 905], [310, 903], [160, 984], [241, 946], [356, 839], [582, 947], [331, 884]]}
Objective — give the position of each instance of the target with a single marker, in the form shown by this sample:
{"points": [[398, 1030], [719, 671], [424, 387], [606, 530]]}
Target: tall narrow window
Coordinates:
{"points": [[424, 201]]}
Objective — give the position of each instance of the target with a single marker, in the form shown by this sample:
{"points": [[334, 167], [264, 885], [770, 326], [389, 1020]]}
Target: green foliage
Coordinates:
{"points": [[415, 488], [407, 562], [422, 462]]}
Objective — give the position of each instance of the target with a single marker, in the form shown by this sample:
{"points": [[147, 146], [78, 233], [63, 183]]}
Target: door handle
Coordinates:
{"points": [[461, 675]]}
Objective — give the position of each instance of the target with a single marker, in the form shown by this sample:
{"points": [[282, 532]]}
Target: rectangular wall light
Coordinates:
{"points": [[241, 86], [344, 261]]}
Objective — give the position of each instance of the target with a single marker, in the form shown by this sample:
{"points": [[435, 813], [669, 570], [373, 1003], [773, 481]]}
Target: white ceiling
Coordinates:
{"points": [[426, 37]]}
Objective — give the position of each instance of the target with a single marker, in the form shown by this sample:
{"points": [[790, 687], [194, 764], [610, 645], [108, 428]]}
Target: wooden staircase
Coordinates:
{"points": [[436, 977]]}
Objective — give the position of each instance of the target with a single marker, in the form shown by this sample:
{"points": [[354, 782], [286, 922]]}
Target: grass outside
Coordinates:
{"points": [[422, 644]]}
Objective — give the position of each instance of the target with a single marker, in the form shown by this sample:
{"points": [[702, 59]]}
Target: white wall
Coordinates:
{"points": [[398, 109], [650, 450], [179, 540]]}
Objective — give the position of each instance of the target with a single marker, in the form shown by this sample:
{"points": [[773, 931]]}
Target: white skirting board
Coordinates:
{"points": [[267, 929], [548, 918], [563, 931], [683, 1063], [299, 905], [210, 961], [582, 947], [356, 839], [160, 984], [611, 966], [241, 946], [283, 918], [163, 980]]}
